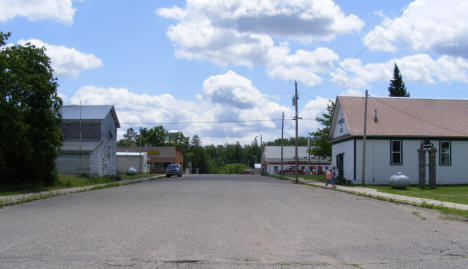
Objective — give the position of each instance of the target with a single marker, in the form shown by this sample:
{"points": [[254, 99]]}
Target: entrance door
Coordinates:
{"points": [[339, 164]]}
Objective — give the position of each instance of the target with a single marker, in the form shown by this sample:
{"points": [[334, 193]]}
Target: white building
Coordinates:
{"points": [[272, 160], [396, 128], [137, 160]]}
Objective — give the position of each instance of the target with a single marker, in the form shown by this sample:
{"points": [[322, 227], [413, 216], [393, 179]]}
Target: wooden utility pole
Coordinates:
{"points": [[297, 121], [364, 142]]}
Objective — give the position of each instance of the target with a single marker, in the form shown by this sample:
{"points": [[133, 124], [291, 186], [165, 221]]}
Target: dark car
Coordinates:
{"points": [[173, 170]]}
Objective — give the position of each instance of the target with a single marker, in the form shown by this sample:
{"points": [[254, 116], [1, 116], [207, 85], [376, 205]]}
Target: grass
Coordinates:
{"points": [[123, 176], [418, 215], [66, 181], [454, 194], [314, 177]]}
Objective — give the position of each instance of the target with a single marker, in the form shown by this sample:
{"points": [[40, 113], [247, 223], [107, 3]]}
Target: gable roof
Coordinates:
{"points": [[99, 112], [404, 117]]}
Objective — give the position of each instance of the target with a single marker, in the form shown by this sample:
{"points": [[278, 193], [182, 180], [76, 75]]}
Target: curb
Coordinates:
{"points": [[372, 193], [29, 197]]}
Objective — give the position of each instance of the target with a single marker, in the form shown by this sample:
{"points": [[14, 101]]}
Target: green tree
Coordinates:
{"points": [[397, 86], [30, 114], [156, 136], [320, 146]]}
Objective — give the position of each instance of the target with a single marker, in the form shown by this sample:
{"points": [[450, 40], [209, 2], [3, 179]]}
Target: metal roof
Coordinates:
{"points": [[405, 117], [88, 112]]}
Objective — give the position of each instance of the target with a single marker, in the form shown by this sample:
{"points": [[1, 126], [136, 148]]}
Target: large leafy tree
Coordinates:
{"points": [[30, 114], [397, 86], [319, 143]]}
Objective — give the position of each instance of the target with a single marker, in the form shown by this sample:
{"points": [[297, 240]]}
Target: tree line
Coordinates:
{"points": [[213, 159]]}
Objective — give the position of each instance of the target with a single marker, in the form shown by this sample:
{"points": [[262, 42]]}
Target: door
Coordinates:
{"points": [[339, 165]]}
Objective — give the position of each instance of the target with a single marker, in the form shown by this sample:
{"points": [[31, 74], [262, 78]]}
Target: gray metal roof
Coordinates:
{"points": [[77, 146], [88, 112]]}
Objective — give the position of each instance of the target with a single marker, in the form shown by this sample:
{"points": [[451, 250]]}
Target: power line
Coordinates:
{"points": [[204, 122], [381, 33]]}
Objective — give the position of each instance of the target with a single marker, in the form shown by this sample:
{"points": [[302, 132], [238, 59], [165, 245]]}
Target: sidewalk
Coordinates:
{"points": [[388, 196], [18, 198]]}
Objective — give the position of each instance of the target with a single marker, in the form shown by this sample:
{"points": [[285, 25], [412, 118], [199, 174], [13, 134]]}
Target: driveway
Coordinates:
{"points": [[226, 221]]}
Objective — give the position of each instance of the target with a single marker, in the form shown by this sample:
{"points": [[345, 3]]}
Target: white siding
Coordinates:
{"points": [[340, 127], [457, 173], [379, 169], [346, 147]]}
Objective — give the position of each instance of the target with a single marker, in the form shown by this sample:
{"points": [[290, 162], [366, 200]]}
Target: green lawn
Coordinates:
{"points": [[455, 194], [314, 177]]}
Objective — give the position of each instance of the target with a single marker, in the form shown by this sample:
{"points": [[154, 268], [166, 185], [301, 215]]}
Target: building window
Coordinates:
{"points": [[445, 153], [396, 155]]}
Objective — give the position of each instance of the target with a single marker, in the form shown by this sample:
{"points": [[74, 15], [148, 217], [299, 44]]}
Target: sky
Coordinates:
{"points": [[225, 70]]}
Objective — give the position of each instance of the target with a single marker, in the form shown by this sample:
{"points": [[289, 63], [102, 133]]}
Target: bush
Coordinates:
{"points": [[234, 168]]}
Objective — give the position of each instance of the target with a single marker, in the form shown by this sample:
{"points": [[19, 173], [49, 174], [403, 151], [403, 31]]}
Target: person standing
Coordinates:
{"points": [[334, 173], [329, 178]]}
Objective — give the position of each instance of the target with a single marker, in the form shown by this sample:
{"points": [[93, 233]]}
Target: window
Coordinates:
{"points": [[445, 153], [396, 157]]}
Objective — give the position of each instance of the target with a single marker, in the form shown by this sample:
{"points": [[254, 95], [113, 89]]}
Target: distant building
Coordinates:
{"points": [[89, 142], [396, 128], [309, 164], [158, 157]]}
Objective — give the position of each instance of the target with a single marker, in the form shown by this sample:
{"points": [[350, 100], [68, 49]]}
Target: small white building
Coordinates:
{"points": [[308, 163], [396, 128], [137, 160]]}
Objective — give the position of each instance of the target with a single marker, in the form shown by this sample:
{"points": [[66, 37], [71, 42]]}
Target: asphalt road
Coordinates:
{"points": [[213, 221]]}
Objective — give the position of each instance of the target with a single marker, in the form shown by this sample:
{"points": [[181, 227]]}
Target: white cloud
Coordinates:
{"points": [[414, 68], [352, 92], [66, 61], [243, 32], [425, 25], [312, 109], [242, 102], [304, 65], [56, 10]]}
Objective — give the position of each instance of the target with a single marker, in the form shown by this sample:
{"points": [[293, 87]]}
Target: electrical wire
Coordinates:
{"points": [[203, 122]]}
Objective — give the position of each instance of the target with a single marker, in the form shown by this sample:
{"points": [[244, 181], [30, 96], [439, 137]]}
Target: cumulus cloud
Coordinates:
{"points": [[66, 61], [243, 32], [60, 11], [415, 68], [425, 25], [243, 102], [304, 65]]}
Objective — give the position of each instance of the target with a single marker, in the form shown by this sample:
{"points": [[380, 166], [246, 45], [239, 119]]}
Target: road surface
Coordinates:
{"points": [[226, 221]]}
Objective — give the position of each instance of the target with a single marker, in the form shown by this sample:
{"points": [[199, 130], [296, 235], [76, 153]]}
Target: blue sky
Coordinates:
{"points": [[212, 60]]}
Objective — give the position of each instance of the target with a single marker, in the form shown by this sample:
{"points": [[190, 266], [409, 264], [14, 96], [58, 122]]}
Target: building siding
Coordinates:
{"points": [[341, 127], [346, 147], [379, 169], [73, 163], [90, 129]]}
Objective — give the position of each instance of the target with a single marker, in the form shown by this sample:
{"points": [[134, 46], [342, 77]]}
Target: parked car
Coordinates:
{"points": [[173, 169]]}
